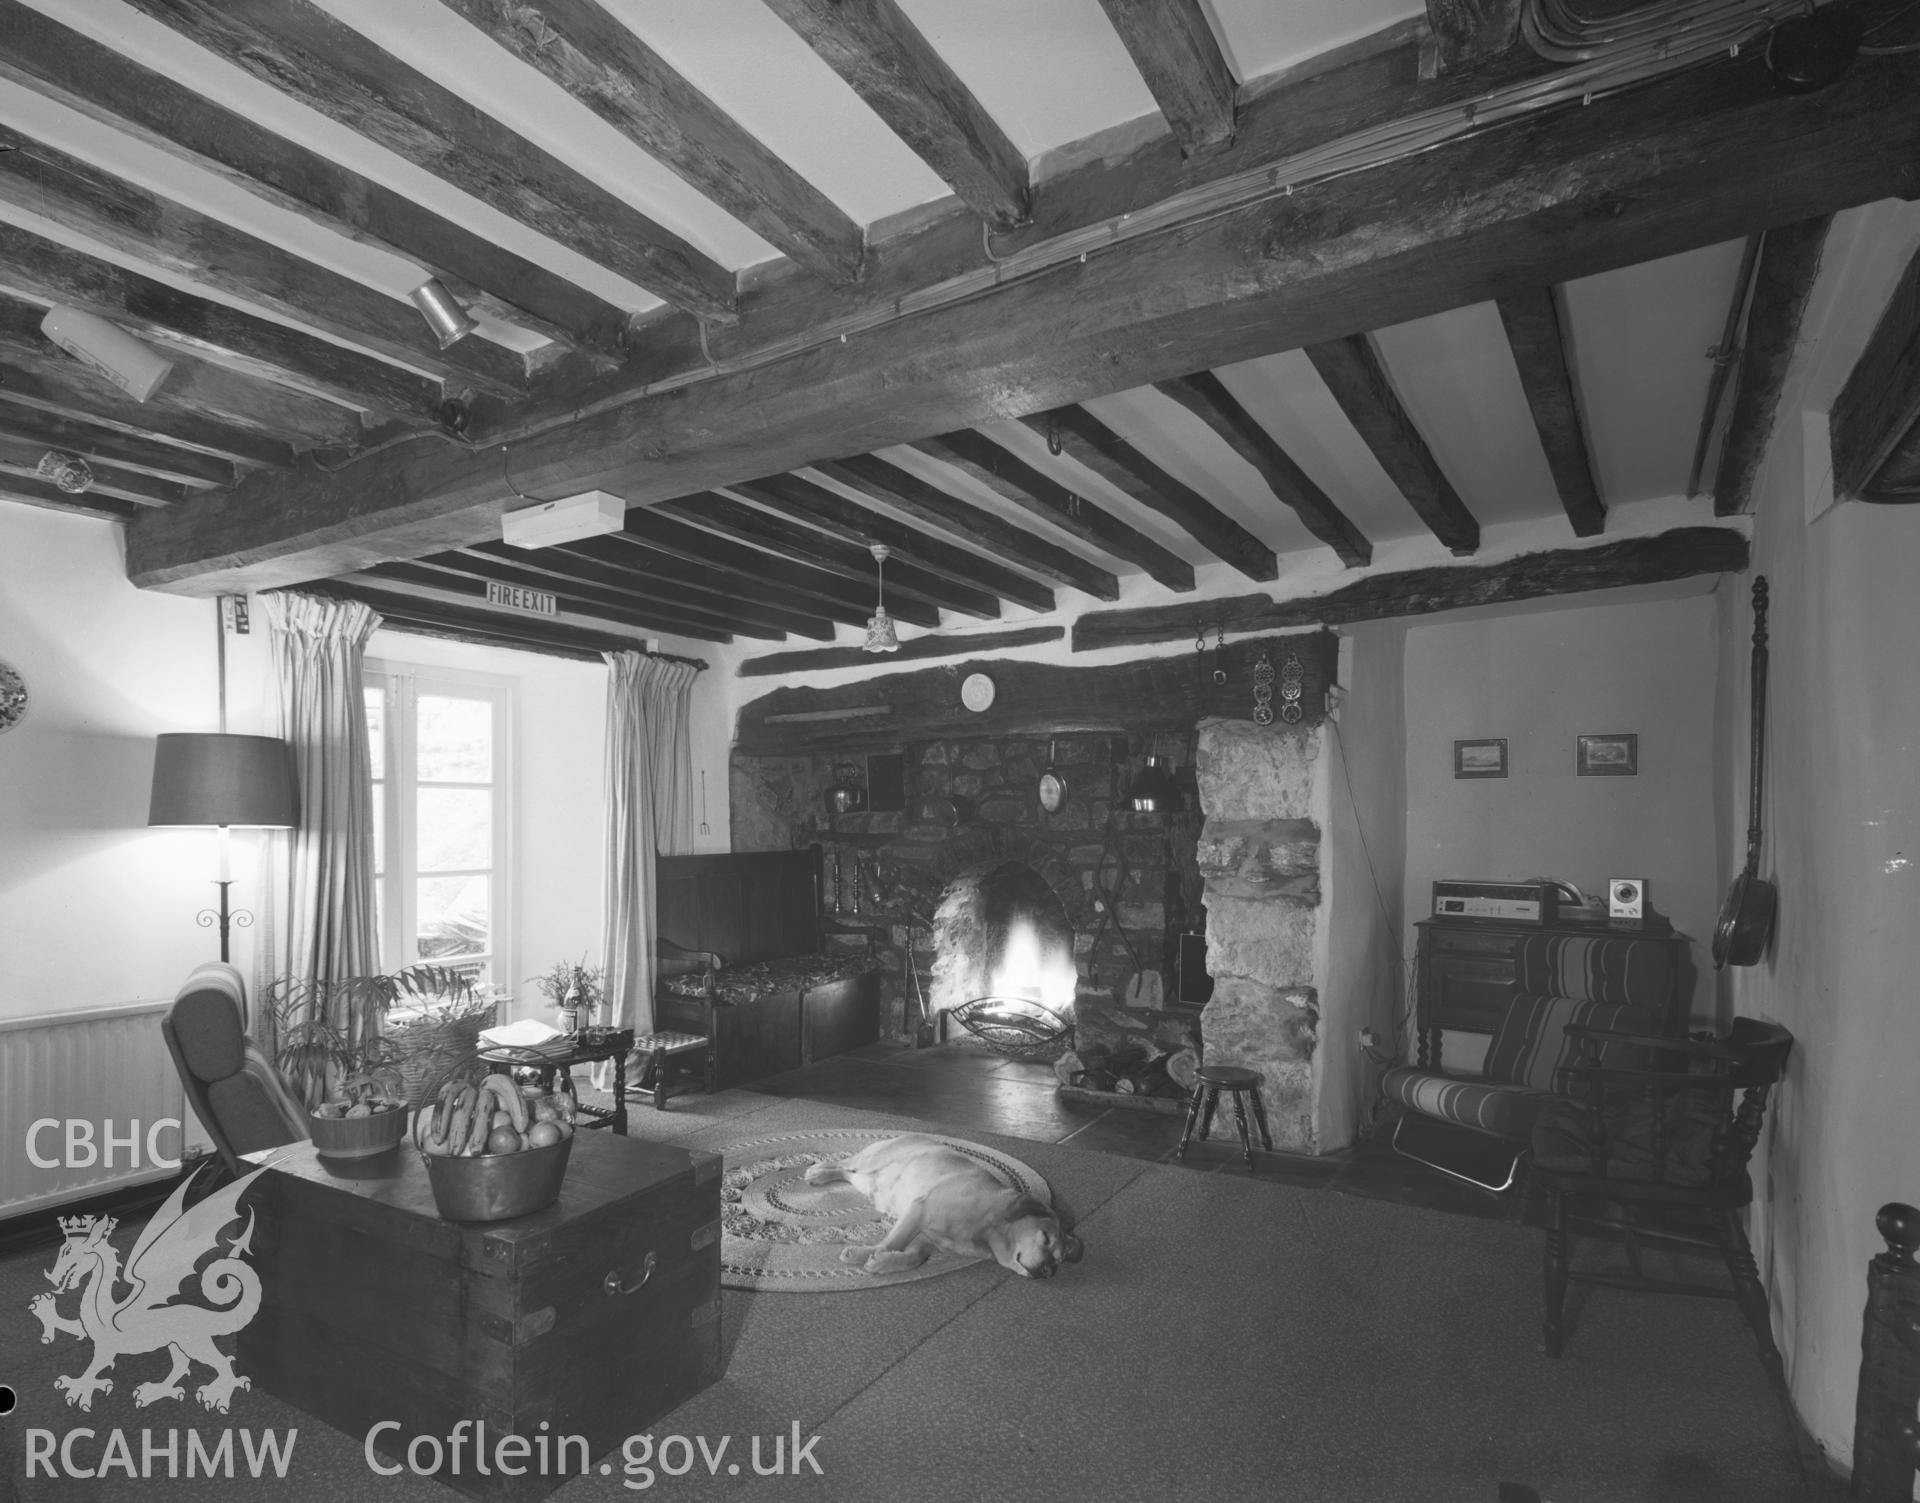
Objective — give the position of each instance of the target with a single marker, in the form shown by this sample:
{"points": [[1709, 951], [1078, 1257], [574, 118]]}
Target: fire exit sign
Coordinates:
{"points": [[518, 598]]}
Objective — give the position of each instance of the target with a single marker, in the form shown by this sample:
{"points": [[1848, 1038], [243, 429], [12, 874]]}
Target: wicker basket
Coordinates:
{"points": [[427, 1049], [1016, 1027]]}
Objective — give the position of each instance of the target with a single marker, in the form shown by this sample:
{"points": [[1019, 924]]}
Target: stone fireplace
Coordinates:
{"points": [[1002, 931]]}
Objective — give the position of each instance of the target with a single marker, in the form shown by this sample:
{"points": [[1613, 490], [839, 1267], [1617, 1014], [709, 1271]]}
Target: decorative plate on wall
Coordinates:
{"points": [[976, 692], [13, 698]]}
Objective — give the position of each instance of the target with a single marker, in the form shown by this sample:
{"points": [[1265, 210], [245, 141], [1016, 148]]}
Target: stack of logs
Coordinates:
{"points": [[1131, 1051]]}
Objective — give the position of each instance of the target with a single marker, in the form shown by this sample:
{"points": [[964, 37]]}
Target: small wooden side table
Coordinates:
{"points": [[556, 1055]]}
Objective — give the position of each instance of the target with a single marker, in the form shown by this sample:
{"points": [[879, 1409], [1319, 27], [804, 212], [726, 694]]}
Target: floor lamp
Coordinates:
{"points": [[222, 780]]}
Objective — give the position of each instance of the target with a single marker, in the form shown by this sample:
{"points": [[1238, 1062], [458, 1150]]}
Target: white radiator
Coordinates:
{"points": [[93, 1076]]}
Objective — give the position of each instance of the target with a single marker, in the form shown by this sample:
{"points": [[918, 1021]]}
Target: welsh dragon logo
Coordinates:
{"points": [[150, 1315]]}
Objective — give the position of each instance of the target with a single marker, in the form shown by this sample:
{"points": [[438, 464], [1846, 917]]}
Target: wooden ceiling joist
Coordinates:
{"points": [[21, 457], [600, 62], [1207, 398], [1536, 335], [1568, 192], [622, 567], [210, 253], [99, 445], [911, 588], [889, 64], [1358, 381], [1178, 55], [1782, 283], [1075, 431], [61, 64], [802, 500], [1874, 428], [932, 507], [675, 539], [65, 389], [15, 486], [1044, 497], [538, 569], [41, 269], [469, 576], [458, 622], [324, 63]]}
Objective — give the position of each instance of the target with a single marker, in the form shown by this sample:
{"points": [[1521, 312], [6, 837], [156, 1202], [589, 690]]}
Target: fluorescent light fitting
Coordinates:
{"points": [[444, 316], [130, 364], [586, 515]]}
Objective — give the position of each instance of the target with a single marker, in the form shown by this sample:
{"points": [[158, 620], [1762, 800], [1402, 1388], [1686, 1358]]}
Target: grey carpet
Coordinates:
{"points": [[1224, 1339]]}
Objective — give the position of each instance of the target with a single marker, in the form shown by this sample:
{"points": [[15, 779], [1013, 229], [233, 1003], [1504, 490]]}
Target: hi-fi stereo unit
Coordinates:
{"points": [[1516, 902]]}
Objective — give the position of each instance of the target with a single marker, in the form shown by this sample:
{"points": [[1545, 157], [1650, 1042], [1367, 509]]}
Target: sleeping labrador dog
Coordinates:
{"points": [[938, 1197]]}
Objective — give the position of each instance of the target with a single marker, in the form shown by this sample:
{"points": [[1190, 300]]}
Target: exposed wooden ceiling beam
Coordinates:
{"points": [[1536, 335], [1565, 193], [915, 591], [960, 645], [646, 615], [1874, 427], [22, 457], [99, 445], [1724, 356], [882, 55], [210, 253], [621, 566], [1782, 283], [1353, 373], [93, 503], [927, 504], [326, 64], [1044, 497], [1078, 433], [538, 569], [675, 539], [61, 64], [191, 387], [44, 270], [1680, 554], [802, 500], [601, 63], [1207, 398], [1177, 54], [431, 616], [65, 389]]}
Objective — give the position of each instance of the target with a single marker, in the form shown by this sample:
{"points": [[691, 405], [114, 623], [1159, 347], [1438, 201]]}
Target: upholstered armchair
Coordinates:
{"points": [[234, 1088]]}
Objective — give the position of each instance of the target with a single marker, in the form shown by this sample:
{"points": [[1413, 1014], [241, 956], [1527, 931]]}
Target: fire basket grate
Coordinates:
{"points": [[1016, 1027]]}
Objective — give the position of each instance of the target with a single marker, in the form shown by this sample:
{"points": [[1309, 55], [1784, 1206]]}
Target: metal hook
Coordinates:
{"points": [[1220, 655], [1054, 445]]}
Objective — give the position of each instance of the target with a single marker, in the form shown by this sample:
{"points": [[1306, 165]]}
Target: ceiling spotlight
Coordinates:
{"points": [[69, 472], [130, 364], [881, 636], [444, 316]]}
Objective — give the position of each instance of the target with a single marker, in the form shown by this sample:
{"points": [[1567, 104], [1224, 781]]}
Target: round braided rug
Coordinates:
{"points": [[779, 1232]]}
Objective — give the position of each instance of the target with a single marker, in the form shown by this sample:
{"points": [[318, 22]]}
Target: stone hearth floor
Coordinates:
{"points": [[960, 1086]]}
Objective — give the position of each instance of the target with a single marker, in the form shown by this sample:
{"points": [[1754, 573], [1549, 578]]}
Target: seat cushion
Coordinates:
{"points": [[1531, 1048], [253, 1106], [1666, 1140], [1470, 1101], [1621, 970]]}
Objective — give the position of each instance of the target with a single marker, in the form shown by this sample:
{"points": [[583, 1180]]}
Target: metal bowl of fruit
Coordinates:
{"points": [[493, 1150], [367, 1116]]}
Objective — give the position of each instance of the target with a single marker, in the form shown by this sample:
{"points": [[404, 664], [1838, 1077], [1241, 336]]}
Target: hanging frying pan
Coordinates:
{"points": [[1746, 918]]}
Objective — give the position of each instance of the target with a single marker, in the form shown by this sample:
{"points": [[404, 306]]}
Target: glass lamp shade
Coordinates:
{"points": [[201, 779], [881, 636], [1154, 791]]}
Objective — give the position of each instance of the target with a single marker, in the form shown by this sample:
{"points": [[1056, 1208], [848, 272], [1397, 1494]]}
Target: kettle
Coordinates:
{"points": [[846, 796]]}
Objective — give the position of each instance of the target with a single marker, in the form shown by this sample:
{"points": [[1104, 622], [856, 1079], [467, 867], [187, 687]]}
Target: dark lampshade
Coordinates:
{"points": [[201, 779], [1154, 790]]}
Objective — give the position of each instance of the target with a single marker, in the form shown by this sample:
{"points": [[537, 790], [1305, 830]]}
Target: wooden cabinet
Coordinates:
{"points": [[778, 1030], [1467, 970]]}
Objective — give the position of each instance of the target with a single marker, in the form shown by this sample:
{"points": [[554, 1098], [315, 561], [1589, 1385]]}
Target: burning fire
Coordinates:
{"points": [[1034, 968]]}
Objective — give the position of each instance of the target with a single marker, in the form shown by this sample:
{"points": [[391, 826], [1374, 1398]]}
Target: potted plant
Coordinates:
{"points": [[573, 989]]}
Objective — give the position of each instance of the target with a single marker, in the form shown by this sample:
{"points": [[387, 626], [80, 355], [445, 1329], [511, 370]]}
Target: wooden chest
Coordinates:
{"points": [[592, 1318]]}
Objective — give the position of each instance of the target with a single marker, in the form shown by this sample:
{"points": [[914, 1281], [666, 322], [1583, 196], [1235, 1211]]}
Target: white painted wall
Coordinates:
{"points": [[1841, 826]]}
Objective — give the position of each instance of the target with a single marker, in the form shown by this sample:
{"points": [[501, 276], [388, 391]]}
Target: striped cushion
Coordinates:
{"points": [[1620, 970], [1486, 1105], [1531, 1048]]}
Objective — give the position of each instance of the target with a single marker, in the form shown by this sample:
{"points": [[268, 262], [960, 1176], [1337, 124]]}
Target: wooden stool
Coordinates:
{"points": [[1207, 1086], [661, 1050]]}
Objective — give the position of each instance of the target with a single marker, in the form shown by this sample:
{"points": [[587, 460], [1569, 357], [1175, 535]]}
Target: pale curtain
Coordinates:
{"points": [[319, 920], [649, 794]]}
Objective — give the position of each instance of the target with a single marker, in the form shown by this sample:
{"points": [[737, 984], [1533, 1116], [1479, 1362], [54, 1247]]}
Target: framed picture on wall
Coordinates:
{"points": [[1480, 759], [1615, 756]]}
